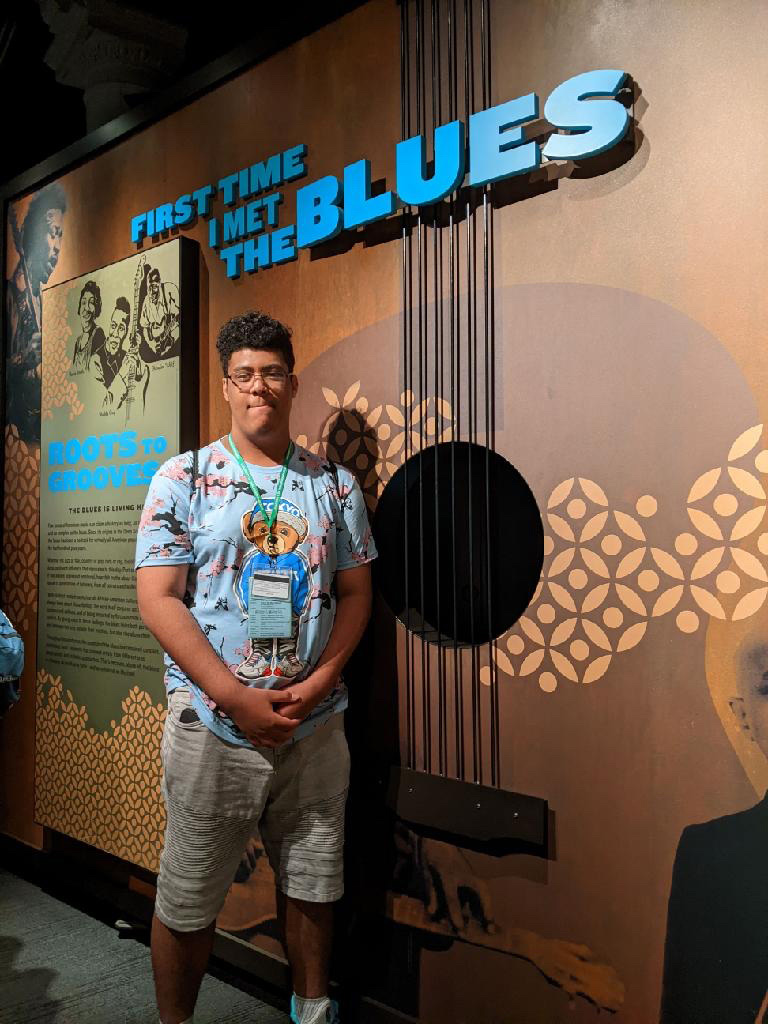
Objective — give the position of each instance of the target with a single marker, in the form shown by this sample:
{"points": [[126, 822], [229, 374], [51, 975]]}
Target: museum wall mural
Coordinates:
{"points": [[592, 326]]}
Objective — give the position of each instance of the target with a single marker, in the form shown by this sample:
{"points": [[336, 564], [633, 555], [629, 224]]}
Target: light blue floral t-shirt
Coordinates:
{"points": [[214, 525]]}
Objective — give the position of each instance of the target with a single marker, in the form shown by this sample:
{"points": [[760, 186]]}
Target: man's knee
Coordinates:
{"points": [[180, 924]]}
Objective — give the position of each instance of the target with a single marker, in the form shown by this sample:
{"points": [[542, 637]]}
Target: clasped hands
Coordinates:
{"points": [[268, 718]]}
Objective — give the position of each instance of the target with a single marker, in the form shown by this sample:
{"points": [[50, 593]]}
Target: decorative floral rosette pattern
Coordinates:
{"points": [[604, 580], [606, 577], [109, 795], [373, 442]]}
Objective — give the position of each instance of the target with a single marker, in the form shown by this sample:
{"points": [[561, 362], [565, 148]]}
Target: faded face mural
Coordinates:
{"points": [[32, 260], [750, 704], [54, 220]]}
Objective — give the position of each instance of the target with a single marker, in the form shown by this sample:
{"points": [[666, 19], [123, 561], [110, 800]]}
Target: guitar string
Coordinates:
{"points": [[419, 393], [471, 391], [455, 355], [490, 402], [438, 306], [407, 308]]}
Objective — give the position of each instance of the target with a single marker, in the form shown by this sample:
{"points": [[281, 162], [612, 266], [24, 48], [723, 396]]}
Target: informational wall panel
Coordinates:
{"points": [[112, 351]]}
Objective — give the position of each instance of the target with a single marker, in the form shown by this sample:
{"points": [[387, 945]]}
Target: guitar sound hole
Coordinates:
{"points": [[461, 544]]}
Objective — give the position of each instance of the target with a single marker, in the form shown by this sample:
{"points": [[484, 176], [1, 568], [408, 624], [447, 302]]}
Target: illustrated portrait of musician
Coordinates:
{"points": [[91, 339], [117, 366], [158, 318], [38, 245], [716, 955]]}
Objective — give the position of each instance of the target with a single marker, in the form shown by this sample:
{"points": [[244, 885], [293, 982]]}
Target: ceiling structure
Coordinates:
{"points": [[70, 66]]}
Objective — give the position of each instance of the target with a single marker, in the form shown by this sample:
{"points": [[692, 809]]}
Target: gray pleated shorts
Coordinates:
{"points": [[217, 795]]}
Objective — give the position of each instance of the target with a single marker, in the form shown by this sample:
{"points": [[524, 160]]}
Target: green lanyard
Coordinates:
{"points": [[269, 520]]}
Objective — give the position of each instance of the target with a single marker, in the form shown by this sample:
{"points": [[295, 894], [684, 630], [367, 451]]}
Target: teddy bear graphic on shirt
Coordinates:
{"points": [[276, 551]]}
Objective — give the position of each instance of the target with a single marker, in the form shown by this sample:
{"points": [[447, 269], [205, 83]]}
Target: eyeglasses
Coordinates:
{"points": [[273, 377]]}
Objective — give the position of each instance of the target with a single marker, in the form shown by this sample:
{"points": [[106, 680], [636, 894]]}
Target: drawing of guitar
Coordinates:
{"points": [[132, 355]]}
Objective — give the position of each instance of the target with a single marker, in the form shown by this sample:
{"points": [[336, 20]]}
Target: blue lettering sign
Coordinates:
{"points": [[267, 174], [293, 163], [496, 147], [271, 203], [234, 224], [256, 255], [585, 112], [284, 244], [182, 210], [232, 257], [598, 125], [359, 206], [202, 198], [414, 187], [318, 216]]}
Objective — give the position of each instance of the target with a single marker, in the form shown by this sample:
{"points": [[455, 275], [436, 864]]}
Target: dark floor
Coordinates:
{"points": [[60, 965]]}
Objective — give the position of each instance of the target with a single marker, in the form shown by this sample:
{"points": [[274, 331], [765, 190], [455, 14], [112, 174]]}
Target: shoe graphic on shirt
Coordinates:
{"points": [[254, 667], [288, 666]]}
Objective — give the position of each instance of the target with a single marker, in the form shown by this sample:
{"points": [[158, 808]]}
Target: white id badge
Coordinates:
{"points": [[269, 606]]}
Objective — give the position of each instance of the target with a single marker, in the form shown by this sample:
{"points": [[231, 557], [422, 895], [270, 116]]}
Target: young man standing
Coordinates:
{"points": [[252, 572]]}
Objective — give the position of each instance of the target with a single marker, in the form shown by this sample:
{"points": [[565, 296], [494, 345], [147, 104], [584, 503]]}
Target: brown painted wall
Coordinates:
{"points": [[261, 112], [629, 326]]}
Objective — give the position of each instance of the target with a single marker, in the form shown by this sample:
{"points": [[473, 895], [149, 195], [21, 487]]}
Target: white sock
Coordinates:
{"points": [[311, 1011], [189, 1020]]}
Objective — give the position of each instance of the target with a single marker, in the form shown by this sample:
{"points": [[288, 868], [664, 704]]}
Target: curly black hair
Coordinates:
{"points": [[52, 197], [254, 330]]}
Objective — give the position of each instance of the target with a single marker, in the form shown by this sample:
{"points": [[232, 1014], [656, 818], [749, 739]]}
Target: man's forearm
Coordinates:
{"points": [[352, 614], [177, 632]]}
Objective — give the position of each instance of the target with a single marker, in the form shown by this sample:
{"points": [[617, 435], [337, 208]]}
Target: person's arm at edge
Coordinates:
{"points": [[353, 609], [160, 592]]}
